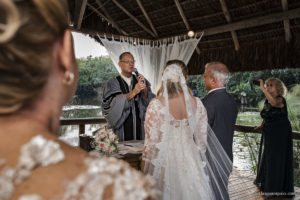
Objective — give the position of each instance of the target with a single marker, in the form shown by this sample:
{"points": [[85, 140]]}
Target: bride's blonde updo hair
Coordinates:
{"points": [[174, 88], [28, 31]]}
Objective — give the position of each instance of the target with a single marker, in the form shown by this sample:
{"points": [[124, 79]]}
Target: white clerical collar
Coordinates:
{"points": [[127, 80], [215, 89]]}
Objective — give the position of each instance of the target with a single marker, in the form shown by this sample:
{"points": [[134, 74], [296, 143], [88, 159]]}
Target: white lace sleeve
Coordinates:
{"points": [[201, 133], [152, 134]]}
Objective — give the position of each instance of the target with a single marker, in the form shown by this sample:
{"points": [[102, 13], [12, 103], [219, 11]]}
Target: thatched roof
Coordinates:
{"points": [[244, 34]]}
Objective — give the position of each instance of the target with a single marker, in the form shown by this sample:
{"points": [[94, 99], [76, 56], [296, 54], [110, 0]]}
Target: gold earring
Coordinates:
{"points": [[69, 78]]}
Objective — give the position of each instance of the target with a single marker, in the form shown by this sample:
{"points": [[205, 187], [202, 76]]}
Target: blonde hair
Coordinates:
{"points": [[279, 85], [174, 88], [26, 41]]}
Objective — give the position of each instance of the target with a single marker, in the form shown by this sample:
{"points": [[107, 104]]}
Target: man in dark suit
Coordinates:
{"points": [[221, 107], [221, 112]]}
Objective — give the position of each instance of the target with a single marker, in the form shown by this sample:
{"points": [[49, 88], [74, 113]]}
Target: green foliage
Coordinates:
{"points": [[293, 103], [240, 83], [196, 84], [252, 93], [93, 74]]}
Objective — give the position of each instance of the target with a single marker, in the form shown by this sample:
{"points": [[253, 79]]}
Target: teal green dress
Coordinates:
{"points": [[275, 162]]}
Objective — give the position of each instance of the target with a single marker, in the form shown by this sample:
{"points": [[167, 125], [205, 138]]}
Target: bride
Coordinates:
{"points": [[181, 152]]}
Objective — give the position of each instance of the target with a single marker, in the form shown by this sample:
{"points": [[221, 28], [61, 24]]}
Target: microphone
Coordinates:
{"points": [[136, 73]]}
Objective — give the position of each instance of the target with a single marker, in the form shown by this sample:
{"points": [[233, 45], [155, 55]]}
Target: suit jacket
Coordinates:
{"points": [[222, 113]]}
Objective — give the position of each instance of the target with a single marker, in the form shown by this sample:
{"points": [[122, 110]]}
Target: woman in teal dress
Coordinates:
{"points": [[275, 162]]}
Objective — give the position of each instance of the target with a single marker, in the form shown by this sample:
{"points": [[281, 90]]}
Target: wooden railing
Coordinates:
{"points": [[250, 129], [83, 121]]}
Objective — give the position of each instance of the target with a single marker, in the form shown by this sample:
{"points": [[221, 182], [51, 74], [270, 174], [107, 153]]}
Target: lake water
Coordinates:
{"points": [[70, 134], [245, 145]]}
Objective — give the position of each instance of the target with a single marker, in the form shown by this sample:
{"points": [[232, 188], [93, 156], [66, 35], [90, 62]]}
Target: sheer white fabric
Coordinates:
{"points": [[150, 57], [181, 152]]}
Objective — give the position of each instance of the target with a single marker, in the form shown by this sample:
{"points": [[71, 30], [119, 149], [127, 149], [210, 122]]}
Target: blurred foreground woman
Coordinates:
{"points": [[38, 75]]}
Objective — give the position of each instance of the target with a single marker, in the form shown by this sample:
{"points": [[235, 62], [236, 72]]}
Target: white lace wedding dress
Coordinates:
{"points": [[183, 155]]}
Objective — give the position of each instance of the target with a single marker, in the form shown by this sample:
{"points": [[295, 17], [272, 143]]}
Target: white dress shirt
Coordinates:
{"points": [[127, 80], [215, 89]]}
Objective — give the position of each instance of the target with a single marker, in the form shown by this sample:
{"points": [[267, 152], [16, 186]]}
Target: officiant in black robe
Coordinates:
{"points": [[125, 100]]}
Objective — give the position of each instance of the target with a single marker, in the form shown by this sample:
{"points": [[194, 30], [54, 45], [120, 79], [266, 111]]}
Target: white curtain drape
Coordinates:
{"points": [[150, 57]]}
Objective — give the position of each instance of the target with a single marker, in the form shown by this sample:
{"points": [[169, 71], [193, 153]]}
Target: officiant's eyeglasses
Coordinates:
{"points": [[128, 61]]}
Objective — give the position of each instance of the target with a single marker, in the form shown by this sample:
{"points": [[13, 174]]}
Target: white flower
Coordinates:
{"points": [[106, 141]]}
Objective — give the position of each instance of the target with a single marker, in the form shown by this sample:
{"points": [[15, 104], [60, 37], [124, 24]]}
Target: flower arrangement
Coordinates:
{"points": [[106, 141]]}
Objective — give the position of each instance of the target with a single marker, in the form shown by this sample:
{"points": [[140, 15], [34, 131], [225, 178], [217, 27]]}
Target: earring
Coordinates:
{"points": [[69, 78]]}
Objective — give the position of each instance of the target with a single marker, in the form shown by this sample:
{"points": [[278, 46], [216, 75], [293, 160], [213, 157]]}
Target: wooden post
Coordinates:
{"points": [[286, 22], [81, 129], [187, 25], [228, 19]]}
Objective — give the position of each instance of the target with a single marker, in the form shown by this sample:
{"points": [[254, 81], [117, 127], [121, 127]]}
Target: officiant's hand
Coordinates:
{"points": [[141, 85], [141, 77], [145, 91]]}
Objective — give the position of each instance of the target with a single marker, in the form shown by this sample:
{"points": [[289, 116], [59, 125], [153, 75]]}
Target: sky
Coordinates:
{"points": [[85, 46]]}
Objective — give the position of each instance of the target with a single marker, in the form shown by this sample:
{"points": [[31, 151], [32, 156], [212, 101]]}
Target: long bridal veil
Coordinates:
{"points": [[183, 155]]}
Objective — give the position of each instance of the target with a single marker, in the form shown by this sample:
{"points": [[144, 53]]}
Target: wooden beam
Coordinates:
{"points": [[134, 18], [147, 17], [97, 12], [179, 8], [228, 19], [249, 35], [276, 17], [286, 22], [82, 10], [203, 17], [154, 12], [258, 21], [121, 31], [117, 37]]}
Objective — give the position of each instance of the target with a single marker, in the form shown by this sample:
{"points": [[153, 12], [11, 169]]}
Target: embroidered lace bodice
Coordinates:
{"points": [[156, 125], [170, 152], [181, 151], [101, 174]]}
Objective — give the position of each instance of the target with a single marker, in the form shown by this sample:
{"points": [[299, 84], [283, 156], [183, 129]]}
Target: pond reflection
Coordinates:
{"points": [[245, 145], [70, 134]]}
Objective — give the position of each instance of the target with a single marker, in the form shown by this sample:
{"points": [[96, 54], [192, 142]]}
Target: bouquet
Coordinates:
{"points": [[106, 141]]}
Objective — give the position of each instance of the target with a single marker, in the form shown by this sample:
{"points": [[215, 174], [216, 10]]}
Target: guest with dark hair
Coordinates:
{"points": [[275, 161]]}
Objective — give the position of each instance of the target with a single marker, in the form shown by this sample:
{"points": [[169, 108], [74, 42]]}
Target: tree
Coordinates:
{"points": [[240, 83], [93, 74]]}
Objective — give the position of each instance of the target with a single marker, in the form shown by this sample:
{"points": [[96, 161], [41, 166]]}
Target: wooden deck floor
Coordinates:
{"points": [[241, 187]]}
